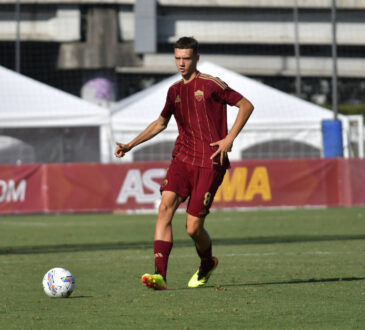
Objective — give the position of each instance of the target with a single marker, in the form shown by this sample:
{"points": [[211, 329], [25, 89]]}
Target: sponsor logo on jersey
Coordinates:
{"points": [[199, 95], [177, 100]]}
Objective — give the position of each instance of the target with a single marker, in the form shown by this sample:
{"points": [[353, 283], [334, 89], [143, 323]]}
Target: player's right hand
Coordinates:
{"points": [[121, 149]]}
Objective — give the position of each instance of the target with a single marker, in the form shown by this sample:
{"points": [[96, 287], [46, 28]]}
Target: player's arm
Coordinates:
{"points": [[225, 145], [148, 133]]}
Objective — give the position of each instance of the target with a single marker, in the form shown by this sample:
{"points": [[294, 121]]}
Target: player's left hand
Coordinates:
{"points": [[224, 146]]}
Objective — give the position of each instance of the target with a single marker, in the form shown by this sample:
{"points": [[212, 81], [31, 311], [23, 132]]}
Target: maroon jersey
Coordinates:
{"points": [[200, 110]]}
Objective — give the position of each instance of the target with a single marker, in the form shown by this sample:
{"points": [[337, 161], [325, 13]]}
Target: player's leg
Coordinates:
{"points": [[163, 240], [163, 231], [175, 189], [203, 244], [206, 184], [170, 201]]}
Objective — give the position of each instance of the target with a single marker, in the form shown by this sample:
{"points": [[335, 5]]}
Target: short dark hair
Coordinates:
{"points": [[187, 43]]}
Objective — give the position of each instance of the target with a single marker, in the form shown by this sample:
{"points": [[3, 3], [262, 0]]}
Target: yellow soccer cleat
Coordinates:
{"points": [[154, 281], [200, 278]]}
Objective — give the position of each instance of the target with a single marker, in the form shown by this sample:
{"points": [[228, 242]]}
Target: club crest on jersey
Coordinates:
{"points": [[177, 100], [199, 95]]}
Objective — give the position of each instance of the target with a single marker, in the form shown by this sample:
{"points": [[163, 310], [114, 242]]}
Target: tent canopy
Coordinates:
{"points": [[52, 125], [26, 102], [271, 105]]}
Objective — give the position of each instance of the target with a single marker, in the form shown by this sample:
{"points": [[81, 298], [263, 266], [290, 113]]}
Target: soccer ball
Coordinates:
{"points": [[58, 282]]}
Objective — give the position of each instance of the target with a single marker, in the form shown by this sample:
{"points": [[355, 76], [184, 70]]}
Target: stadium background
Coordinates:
{"points": [[279, 269], [106, 51], [66, 43]]}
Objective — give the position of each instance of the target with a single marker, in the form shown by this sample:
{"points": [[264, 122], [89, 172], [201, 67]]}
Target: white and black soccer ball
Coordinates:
{"points": [[58, 282]]}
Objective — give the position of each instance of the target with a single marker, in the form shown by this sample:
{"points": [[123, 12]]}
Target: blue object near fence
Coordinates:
{"points": [[332, 138]]}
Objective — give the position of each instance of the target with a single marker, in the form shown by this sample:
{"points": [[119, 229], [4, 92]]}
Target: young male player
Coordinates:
{"points": [[199, 159]]}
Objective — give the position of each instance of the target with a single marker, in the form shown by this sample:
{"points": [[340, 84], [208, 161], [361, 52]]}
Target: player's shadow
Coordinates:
{"points": [[225, 286], [37, 249], [298, 281]]}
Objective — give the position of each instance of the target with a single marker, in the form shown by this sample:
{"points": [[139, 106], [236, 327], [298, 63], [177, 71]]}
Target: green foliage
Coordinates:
{"points": [[292, 269], [350, 109]]}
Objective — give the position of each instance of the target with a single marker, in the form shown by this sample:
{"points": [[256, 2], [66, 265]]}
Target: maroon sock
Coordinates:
{"points": [[162, 251], [206, 258]]}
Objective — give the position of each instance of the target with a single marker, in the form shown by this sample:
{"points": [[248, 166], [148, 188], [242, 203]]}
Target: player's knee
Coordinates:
{"points": [[193, 231], [165, 208]]}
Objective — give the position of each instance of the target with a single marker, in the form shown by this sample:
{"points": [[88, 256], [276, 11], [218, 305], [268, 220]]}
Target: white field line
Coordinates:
{"points": [[229, 255]]}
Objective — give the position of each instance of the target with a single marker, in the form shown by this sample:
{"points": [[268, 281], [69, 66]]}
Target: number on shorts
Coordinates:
{"points": [[207, 197]]}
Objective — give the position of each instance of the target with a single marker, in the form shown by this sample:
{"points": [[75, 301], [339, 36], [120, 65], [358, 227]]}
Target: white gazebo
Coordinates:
{"points": [[27, 103]]}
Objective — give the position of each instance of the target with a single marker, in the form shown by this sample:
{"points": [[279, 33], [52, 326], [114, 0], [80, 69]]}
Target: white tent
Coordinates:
{"points": [[27, 103], [277, 115]]}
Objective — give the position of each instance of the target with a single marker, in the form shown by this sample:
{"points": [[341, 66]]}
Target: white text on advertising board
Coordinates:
{"points": [[135, 182], [239, 184], [9, 192]]}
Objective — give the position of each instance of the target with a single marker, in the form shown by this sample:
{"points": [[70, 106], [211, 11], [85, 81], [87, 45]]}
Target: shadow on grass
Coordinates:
{"points": [[178, 243], [300, 281], [223, 287]]}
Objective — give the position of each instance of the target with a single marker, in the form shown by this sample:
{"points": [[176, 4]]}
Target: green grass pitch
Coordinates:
{"points": [[279, 269]]}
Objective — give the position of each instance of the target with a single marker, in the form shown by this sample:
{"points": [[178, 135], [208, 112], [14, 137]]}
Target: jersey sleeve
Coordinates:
{"points": [[224, 94], [230, 96], [169, 107]]}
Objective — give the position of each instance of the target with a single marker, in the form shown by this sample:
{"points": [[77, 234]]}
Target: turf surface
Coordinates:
{"points": [[292, 269]]}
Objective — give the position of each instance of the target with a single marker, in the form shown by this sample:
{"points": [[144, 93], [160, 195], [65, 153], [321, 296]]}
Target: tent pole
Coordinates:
{"points": [[17, 41], [334, 62], [297, 50]]}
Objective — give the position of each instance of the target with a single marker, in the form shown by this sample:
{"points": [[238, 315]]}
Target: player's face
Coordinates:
{"points": [[186, 62]]}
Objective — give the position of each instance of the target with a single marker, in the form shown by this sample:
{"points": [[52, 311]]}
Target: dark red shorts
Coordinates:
{"points": [[199, 183]]}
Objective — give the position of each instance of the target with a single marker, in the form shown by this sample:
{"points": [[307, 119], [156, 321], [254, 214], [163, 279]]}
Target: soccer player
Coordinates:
{"points": [[199, 159]]}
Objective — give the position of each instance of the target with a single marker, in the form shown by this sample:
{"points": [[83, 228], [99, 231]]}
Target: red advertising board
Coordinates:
{"points": [[104, 187], [299, 182], [94, 187], [354, 187], [22, 189]]}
